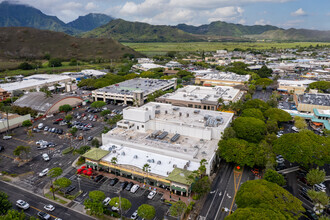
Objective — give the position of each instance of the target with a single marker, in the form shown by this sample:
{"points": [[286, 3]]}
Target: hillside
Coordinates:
{"points": [[30, 43], [294, 35], [225, 29], [125, 31], [16, 15], [89, 22]]}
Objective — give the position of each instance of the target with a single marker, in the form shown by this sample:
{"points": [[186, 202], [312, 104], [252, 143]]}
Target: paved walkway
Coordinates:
{"points": [[167, 195]]}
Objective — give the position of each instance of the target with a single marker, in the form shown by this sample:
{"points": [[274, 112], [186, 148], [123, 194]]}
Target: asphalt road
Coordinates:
{"points": [[37, 203], [222, 192]]}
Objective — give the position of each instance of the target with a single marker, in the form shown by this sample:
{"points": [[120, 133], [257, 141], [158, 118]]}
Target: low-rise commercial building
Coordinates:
{"points": [[221, 79], [171, 140], [38, 81], [307, 102], [134, 91], [14, 121], [4, 94], [293, 86], [202, 97]]}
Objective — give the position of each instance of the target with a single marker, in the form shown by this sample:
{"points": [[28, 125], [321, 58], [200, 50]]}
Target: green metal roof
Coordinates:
{"points": [[96, 154], [180, 176]]}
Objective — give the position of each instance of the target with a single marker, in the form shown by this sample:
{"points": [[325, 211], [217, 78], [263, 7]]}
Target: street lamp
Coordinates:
{"points": [[121, 215], [79, 183]]}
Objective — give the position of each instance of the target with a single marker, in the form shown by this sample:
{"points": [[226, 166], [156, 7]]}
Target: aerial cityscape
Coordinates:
{"points": [[164, 109]]}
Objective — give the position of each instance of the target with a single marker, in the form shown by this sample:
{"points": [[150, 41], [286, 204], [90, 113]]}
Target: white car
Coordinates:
{"points": [[41, 142], [49, 207], [45, 157], [106, 201], [134, 215], [295, 129], [22, 204], [7, 137], [44, 172], [320, 187], [151, 194], [115, 208], [135, 188], [40, 125]]}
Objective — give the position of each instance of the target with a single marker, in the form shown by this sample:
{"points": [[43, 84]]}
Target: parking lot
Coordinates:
{"points": [[138, 198], [28, 171]]}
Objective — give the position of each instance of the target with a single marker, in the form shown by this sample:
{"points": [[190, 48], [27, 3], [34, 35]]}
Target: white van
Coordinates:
{"points": [[40, 125]]}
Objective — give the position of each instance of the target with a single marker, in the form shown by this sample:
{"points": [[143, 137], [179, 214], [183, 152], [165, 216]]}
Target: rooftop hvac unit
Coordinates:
{"points": [[151, 160], [155, 134], [159, 162], [157, 106], [176, 108], [123, 153], [185, 167], [187, 114], [135, 156], [165, 111], [162, 135], [180, 114], [168, 173], [157, 112], [196, 111], [175, 137], [175, 166]]}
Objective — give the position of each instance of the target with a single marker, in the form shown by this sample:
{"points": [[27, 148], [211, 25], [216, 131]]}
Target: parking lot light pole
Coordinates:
{"points": [[79, 183]]}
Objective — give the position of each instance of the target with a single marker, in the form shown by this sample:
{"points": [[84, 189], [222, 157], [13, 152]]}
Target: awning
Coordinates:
{"points": [[178, 189]]}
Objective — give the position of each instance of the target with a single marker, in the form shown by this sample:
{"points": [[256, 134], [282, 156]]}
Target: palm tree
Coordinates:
{"points": [[114, 161], [146, 168]]}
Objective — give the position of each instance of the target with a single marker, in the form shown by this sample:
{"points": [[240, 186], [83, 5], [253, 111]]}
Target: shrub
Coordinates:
{"points": [[67, 150]]}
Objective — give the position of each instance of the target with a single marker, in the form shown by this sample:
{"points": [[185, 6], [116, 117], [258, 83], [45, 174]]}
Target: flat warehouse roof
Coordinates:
{"points": [[226, 76], [146, 86], [314, 99]]}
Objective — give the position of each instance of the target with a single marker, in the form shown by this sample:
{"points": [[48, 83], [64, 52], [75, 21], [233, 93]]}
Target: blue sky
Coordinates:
{"points": [[311, 14]]}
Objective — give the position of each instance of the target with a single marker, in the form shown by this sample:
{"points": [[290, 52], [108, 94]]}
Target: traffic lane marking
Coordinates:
{"points": [[42, 211]]}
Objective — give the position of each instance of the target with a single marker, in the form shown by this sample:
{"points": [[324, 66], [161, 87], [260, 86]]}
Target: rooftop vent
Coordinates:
{"points": [[159, 162], [175, 137], [197, 111], [157, 112], [162, 135], [176, 108], [123, 153], [175, 166], [135, 156]]}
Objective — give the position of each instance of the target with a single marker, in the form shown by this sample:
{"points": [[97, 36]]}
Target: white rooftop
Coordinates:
{"points": [[295, 82], [93, 72], [226, 76], [159, 164], [37, 80], [202, 94]]}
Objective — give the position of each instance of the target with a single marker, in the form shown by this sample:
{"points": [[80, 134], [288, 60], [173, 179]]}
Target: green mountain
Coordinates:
{"points": [[89, 22], [16, 15], [294, 35], [220, 28], [125, 31], [29, 43]]}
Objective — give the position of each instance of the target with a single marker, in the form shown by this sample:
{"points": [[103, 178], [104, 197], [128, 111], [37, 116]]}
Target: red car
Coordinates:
{"points": [[83, 115], [59, 119]]}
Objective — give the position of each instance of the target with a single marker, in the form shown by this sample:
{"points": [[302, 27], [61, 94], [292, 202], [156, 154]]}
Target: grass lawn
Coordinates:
{"points": [[49, 195], [162, 48]]}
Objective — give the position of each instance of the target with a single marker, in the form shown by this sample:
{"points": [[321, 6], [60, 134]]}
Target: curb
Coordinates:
{"points": [[11, 184]]}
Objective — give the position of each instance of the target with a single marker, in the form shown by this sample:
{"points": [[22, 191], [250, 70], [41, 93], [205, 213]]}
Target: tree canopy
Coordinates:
{"points": [[94, 202], [13, 214], [125, 204], [264, 72], [305, 148], [65, 108], [277, 114], [320, 85], [202, 185], [178, 208], [4, 203], [27, 123], [266, 195], [250, 129], [264, 82], [146, 211], [315, 176], [274, 177], [96, 195], [256, 103], [255, 214], [300, 123], [98, 104], [253, 112], [62, 182], [55, 172]]}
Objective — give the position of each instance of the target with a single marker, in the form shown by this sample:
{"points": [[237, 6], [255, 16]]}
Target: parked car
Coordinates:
{"points": [[98, 178], [41, 147], [2, 148], [129, 186], [113, 182], [135, 188], [49, 207], [106, 201], [134, 215], [279, 159], [69, 189], [22, 204], [43, 215], [59, 119], [45, 157], [115, 208], [36, 130], [123, 185], [151, 195], [90, 138], [44, 172], [40, 125], [46, 128], [320, 187], [7, 137], [295, 129]]}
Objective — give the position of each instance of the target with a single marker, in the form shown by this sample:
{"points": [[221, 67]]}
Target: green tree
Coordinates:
{"points": [[300, 123], [115, 119], [98, 104], [277, 115], [229, 132], [73, 62], [178, 208], [250, 129], [264, 72], [202, 186], [264, 82], [55, 62], [96, 195], [146, 211], [255, 214], [94, 202], [253, 112], [256, 103], [68, 117], [54, 173], [25, 66], [62, 182], [274, 177], [13, 214], [318, 197], [267, 195], [305, 148], [4, 203], [315, 176], [124, 204], [27, 123], [19, 149], [73, 130], [105, 112], [322, 86], [272, 126], [95, 143], [65, 108], [83, 149]]}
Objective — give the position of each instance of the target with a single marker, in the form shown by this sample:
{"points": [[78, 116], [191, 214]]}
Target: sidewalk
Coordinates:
{"points": [[167, 195]]}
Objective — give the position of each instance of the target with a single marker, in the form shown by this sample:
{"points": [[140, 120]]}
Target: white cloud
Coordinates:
{"points": [[224, 14], [299, 12], [90, 6], [261, 22], [292, 23]]}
